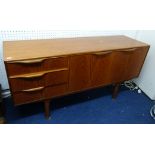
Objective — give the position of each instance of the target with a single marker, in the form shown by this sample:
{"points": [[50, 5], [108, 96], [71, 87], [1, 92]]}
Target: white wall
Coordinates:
{"points": [[3, 79], [146, 80]]}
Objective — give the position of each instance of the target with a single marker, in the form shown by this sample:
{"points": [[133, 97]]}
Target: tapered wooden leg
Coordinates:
{"points": [[116, 90], [47, 108]]}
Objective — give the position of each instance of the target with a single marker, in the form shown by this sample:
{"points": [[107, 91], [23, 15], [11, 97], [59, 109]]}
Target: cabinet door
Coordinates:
{"points": [[115, 66], [118, 66], [101, 68], [127, 63], [135, 62], [79, 76]]}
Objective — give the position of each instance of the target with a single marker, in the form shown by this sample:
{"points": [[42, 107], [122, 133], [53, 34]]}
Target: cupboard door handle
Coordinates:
{"points": [[32, 61], [33, 89], [128, 50], [102, 53]]}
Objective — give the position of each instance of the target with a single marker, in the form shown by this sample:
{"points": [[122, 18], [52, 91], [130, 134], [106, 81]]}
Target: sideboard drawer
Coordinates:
{"points": [[25, 66], [39, 79], [27, 96], [58, 77], [56, 63], [36, 65], [18, 84], [23, 84], [56, 90]]}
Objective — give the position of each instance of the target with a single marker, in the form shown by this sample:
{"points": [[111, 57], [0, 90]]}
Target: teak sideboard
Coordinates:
{"points": [[39, 70]]}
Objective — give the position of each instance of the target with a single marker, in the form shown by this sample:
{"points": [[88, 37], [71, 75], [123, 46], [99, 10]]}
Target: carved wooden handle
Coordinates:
{"points": [[35, 75], [31, 61], [128, 50], [102, 53], [32, 76], [33, 89]]}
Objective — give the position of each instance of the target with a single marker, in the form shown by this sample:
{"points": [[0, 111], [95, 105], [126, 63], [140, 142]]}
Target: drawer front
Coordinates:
{"points": [[54, 78], [28, 96], [55, 90], [18, 84], [56, 63], [40, 79], [18, 68], [36, 65]]}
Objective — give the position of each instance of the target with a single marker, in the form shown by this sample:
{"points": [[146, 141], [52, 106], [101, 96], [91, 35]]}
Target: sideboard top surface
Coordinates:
{"points": [[31, 49]]}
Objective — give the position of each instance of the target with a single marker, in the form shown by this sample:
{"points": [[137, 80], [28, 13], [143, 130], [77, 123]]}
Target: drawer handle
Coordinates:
{"points": [[30, 61], [102, 53], [33, 76], [33, 89]]}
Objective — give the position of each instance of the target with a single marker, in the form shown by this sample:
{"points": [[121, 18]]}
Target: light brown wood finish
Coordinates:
{"points": [[39, 70], [36, 75], [30, 49]]}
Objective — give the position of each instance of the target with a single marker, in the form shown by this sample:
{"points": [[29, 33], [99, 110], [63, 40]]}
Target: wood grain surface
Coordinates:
{"points": [[31, 49]]}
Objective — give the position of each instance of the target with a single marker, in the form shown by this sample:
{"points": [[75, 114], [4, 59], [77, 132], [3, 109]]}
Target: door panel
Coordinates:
{"points": [[109, 68], [101, 73], [135, 63], [79, 76], [118, 66]]}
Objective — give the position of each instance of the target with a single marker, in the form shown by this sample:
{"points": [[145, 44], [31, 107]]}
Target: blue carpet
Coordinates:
{"points": [[89, 107]]}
